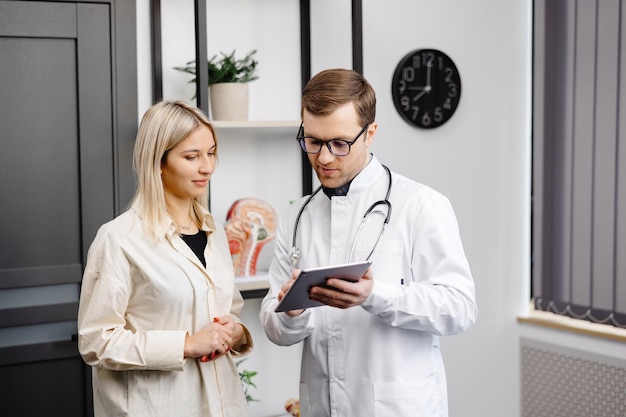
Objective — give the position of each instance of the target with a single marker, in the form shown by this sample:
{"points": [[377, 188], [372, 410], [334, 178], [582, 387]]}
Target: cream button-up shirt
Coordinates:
{"points": [[138, 301]]}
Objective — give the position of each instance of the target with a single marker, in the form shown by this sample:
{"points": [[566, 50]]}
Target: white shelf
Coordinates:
{"points": [[257, 129], [255, 283], [255, 124]]}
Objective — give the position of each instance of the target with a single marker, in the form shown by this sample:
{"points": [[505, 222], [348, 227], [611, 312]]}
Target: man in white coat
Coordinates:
{"points": [[373, 348]]}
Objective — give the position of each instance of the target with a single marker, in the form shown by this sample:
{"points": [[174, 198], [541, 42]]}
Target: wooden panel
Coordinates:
{"points": [[24, 354], [42, 275], [42, 207], [22, 316], [37, 19], [96, 129], [51, 383]]}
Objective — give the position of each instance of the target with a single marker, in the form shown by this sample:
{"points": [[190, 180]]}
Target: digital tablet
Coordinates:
{"points": [[298, 295]]}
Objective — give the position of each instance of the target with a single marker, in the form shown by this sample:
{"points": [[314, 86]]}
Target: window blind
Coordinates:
{"points": [[579, 159]]}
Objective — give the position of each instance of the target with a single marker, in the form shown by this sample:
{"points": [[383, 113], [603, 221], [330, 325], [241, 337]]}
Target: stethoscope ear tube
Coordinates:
{"points": [[294, 257], [364, 220]]}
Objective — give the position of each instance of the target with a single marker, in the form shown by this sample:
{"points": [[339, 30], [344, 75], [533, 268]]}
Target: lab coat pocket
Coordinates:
{"points": [[407, 398], [387, 259]]}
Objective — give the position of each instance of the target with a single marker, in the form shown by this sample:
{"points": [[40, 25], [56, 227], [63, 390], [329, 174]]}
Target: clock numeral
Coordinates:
{"points": [[447, 104], [408, 74], [426, 119], [402, 87], [449, 73], [428, 58], [438, 114], [417, 61], [453, 91], [405, 102], [416, 111]]}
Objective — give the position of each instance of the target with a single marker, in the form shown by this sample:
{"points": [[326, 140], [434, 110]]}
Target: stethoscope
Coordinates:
{"points": [[295, 252]]}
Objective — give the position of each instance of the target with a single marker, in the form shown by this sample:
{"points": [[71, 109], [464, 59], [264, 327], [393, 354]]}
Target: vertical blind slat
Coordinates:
{"points": [[620, 241], [582, 169], [564, 156], [540, 109], [603, 264]]}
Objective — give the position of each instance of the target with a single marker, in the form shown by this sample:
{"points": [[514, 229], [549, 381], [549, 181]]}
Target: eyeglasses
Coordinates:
{"points": [[337, 147]]}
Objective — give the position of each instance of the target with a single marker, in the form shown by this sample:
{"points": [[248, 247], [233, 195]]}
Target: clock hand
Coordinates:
{"points": [[424, 91], [428, 68]]}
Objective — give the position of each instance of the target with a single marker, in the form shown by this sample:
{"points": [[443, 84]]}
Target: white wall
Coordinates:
{"points": [[480, 159]]}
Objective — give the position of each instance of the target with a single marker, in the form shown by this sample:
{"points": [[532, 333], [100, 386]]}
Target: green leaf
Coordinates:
{"points": [[226, 68], [246, 380]]}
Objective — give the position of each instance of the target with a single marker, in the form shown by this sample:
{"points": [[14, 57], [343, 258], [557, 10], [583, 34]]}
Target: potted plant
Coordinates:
{"points": [[228, 83]]}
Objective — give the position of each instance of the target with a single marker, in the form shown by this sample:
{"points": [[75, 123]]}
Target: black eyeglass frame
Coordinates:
{"points": [[301, 138]]}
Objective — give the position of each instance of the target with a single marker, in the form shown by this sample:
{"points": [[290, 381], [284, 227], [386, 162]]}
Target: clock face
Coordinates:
{"points": [[426, 88]]}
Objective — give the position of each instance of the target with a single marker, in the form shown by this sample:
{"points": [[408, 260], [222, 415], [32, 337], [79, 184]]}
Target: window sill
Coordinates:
{"points": [[555, 321]]}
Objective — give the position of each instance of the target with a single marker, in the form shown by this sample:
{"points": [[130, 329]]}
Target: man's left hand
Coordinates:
{"points": [[344, 294]]}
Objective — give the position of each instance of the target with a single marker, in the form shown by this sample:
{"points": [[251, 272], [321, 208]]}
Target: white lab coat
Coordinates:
{"points": [[381, 359]]}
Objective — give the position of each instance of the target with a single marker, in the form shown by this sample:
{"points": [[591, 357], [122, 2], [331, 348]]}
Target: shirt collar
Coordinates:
{"points": [[208, 222], [368, 175], [339, 191]]}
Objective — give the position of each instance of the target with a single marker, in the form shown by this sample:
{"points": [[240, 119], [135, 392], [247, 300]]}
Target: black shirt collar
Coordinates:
{"points": [[339, 191]]}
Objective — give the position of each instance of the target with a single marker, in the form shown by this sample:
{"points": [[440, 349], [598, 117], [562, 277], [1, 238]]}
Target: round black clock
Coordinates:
{"points": [[426, 88]]}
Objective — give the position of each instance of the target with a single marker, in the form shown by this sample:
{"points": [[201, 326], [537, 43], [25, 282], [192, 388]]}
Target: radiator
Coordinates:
{"points": [[564, 382]]}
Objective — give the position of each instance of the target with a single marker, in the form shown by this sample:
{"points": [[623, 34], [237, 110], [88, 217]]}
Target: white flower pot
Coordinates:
{"points": [[229, 101]]}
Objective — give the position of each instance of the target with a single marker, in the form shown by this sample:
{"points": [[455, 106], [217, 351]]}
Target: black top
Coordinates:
{"points": [[197, 243], [339, 191]]}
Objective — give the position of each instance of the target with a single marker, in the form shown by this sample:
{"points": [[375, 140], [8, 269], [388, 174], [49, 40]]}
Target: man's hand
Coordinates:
{"points": [[344, 294], [285, 288]]}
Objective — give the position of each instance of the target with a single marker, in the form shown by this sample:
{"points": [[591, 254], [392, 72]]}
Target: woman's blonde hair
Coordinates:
{"points": [[162, 127]]}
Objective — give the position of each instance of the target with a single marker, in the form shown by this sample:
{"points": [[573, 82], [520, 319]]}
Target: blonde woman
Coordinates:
{"points": [[159, 312]]}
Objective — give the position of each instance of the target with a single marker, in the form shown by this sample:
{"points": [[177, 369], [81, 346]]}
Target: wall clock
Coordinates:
{"points": [[426, 88]]}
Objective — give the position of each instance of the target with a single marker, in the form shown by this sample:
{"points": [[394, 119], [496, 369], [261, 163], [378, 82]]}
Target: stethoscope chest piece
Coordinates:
{"points": [[294, 257]]}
